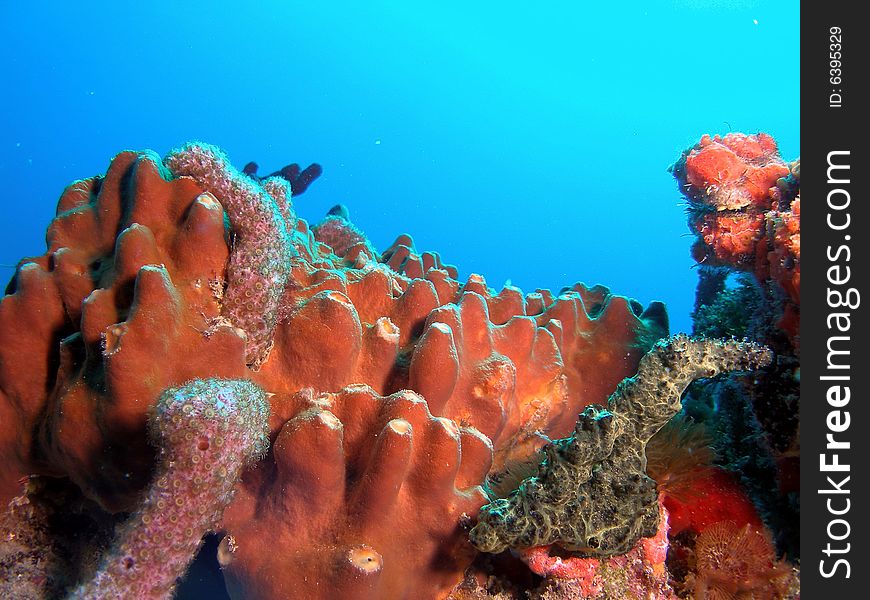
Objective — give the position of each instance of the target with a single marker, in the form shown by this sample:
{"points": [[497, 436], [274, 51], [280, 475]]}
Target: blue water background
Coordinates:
{"points": [[523, 141]]}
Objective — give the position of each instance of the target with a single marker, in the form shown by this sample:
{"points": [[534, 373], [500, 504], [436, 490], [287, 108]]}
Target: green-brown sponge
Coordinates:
{"points": [[591, 494]]}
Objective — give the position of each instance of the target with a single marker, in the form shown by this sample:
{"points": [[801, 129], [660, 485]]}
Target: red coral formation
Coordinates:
{"points": [[361, 466], [735, 171], [127, 279], [144, 288], [403, 258], [784, 261], [745, 209]]}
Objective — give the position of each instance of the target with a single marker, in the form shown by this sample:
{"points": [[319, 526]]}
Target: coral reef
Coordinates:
{"points": [[678, 456], [403, 258], [184, 319], [207, 432], [639, 574], [734, 171], [754, 481], [723, 310], [50, 539], [591, 494], [343, 237], [696, 492], [164, 272], [85, 327], [744, 208]]}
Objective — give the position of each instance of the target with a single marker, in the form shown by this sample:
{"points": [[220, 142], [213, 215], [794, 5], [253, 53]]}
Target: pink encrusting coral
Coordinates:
{"points": [[207, 432], [337, 232], [259, 267]]}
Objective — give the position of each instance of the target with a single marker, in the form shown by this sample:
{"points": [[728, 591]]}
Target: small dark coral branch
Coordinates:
{"points": [[299, 179]]}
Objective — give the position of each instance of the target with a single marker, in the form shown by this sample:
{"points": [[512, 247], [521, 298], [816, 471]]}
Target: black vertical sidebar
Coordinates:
{"points": [[835, 262]]}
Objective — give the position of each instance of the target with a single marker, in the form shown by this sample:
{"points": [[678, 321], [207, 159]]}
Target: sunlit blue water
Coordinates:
{"points": [[522, 141]]}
